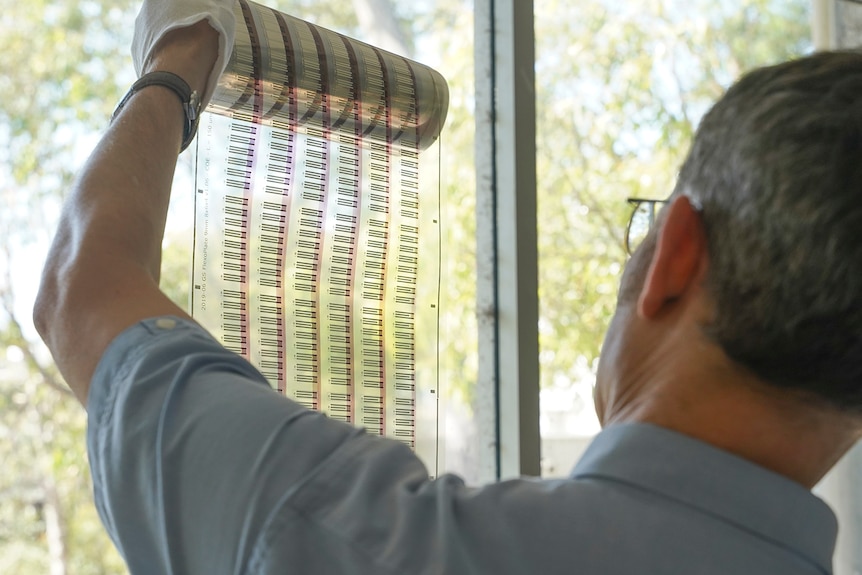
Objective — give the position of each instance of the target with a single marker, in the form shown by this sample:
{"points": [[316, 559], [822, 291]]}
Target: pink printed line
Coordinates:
{"points": [[325, 93], [387, 95], [257, 108], [287, 198], [357, 210]]}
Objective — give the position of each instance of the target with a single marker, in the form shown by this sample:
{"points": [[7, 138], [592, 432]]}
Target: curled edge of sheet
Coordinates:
{"points": [[292, 74]]}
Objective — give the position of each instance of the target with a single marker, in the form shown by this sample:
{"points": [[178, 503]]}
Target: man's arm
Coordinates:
{"points": [[102, 271]]}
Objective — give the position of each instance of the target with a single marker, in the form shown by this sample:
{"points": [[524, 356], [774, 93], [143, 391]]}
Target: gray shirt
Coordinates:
{"points": [[199, 467]]}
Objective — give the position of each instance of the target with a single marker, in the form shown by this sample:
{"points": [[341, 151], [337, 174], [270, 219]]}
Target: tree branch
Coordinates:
{"points": [[611, 227]]}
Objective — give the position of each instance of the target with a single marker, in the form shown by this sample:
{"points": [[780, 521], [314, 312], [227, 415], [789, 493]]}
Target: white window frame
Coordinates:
{"points": [[507, 254]]}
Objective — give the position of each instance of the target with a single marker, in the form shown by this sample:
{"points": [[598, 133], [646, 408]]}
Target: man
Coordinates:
{"points": [[729, 382]]}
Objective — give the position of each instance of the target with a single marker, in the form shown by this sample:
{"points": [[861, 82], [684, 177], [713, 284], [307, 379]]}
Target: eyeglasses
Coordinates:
{"points": [[642, 219]]}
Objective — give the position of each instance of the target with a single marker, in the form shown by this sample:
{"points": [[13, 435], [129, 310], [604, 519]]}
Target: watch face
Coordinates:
{"points": [[194, 105]]}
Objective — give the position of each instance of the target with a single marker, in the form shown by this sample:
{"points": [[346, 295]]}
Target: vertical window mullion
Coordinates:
{"points": [[507, 254]]}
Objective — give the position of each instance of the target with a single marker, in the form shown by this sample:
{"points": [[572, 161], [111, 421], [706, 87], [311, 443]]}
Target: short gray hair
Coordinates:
{"points": [[776, 166]]}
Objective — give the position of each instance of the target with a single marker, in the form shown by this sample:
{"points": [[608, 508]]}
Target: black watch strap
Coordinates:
{"points": [[190, 100]]}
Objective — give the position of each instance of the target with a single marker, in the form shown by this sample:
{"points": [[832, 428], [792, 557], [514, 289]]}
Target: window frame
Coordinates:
{"points": [[507, 252]]}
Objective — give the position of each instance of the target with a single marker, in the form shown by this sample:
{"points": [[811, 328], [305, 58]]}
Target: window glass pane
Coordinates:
{"points": [[64, 68], [621, 87]]}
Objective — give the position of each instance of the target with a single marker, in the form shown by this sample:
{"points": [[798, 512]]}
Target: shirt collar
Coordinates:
{"points": [[719, 483]]}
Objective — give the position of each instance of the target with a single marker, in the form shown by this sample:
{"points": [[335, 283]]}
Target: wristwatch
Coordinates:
{"points": [[190, 100]]}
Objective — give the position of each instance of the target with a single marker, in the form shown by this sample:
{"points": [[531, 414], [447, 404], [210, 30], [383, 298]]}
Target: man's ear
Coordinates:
{"points": [[677, 260]]}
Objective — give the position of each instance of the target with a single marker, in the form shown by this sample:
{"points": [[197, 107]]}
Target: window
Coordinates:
{"points": [[620, 89]]}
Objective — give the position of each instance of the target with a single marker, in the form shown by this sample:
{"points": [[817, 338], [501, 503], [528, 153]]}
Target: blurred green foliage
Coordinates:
{"points": [[620, 90]]}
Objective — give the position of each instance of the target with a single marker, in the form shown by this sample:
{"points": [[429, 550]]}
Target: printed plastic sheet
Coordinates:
{"points": [[317, 224]]}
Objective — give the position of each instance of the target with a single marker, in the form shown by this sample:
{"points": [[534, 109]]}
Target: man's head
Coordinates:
{"points": [[776, 167], [775, 178]]}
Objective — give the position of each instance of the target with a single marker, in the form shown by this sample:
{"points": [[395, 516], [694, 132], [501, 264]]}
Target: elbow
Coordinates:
{"points": [[56, 314], [52, 296], [47, 304]]}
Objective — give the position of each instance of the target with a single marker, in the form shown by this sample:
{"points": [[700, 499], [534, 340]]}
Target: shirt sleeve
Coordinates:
{"points": [[200, 467], [191, 449]]}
